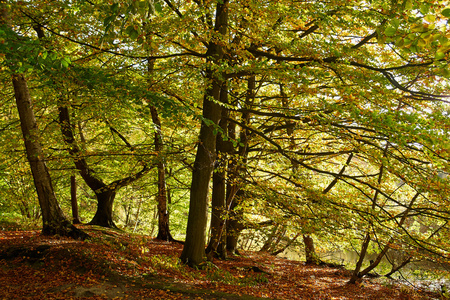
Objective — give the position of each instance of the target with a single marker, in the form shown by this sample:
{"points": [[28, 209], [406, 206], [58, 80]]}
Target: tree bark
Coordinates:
{"points": [[235, 194], [162, 199], [310, 251], [53, 219], [73, 200], [194, 248], [163, 213], [235, 223], [104, 213], [52, 214], [217, 243]]}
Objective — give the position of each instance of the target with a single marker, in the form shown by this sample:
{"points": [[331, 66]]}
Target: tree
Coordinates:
{"points": [[162, 199], [105, 193], [73, 200], [194, 247], [217, 242], [357, 78], [53, 219], [163, 212]]}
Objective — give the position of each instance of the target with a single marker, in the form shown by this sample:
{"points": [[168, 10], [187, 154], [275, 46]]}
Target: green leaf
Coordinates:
{"points": [[132, 32], [408, 5], [439, 55], [399, 42], [108, 20], [446, 12], [424, 8], [390, 31], [395, 23], [158, 7], [430, 18]]}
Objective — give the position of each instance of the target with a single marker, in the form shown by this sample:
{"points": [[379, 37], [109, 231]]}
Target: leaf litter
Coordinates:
{"points": [[118, 265]]}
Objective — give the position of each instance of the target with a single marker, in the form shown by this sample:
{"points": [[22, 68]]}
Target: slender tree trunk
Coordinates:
{"points": [[288, 244], [163, 213], [365, 245], [235, 223], [136, 216], [268, 244], [362, 254], [194, 248], [52, 215], [377, 260], [73, 200], [398, 267], [217, 243], [235, 194]]}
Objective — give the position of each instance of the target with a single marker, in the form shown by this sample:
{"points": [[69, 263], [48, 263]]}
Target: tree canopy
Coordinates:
{"points": [[317, 118]]}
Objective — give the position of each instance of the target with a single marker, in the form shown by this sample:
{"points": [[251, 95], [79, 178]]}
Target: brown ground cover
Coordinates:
{"points": [[116, 265]]}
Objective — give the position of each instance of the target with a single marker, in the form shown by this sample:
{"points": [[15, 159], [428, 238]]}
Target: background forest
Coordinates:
{"points": [[317, 126]]}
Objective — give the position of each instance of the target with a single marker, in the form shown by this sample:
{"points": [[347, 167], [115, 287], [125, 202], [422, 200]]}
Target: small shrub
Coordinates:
{"points": [[256, 279], [218, 275]]}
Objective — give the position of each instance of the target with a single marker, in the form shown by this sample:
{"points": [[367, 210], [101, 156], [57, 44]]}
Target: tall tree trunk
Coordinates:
{"points": [[53, 219], [73, 200], [194, 247], [235, 222], [162, 200], [52, 215], [217, 243], [235, 194], [163, 213], [233, 197]]}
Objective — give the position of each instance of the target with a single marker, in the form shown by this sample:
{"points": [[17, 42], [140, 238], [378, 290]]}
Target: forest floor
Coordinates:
{"points": [[117, 265]]}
